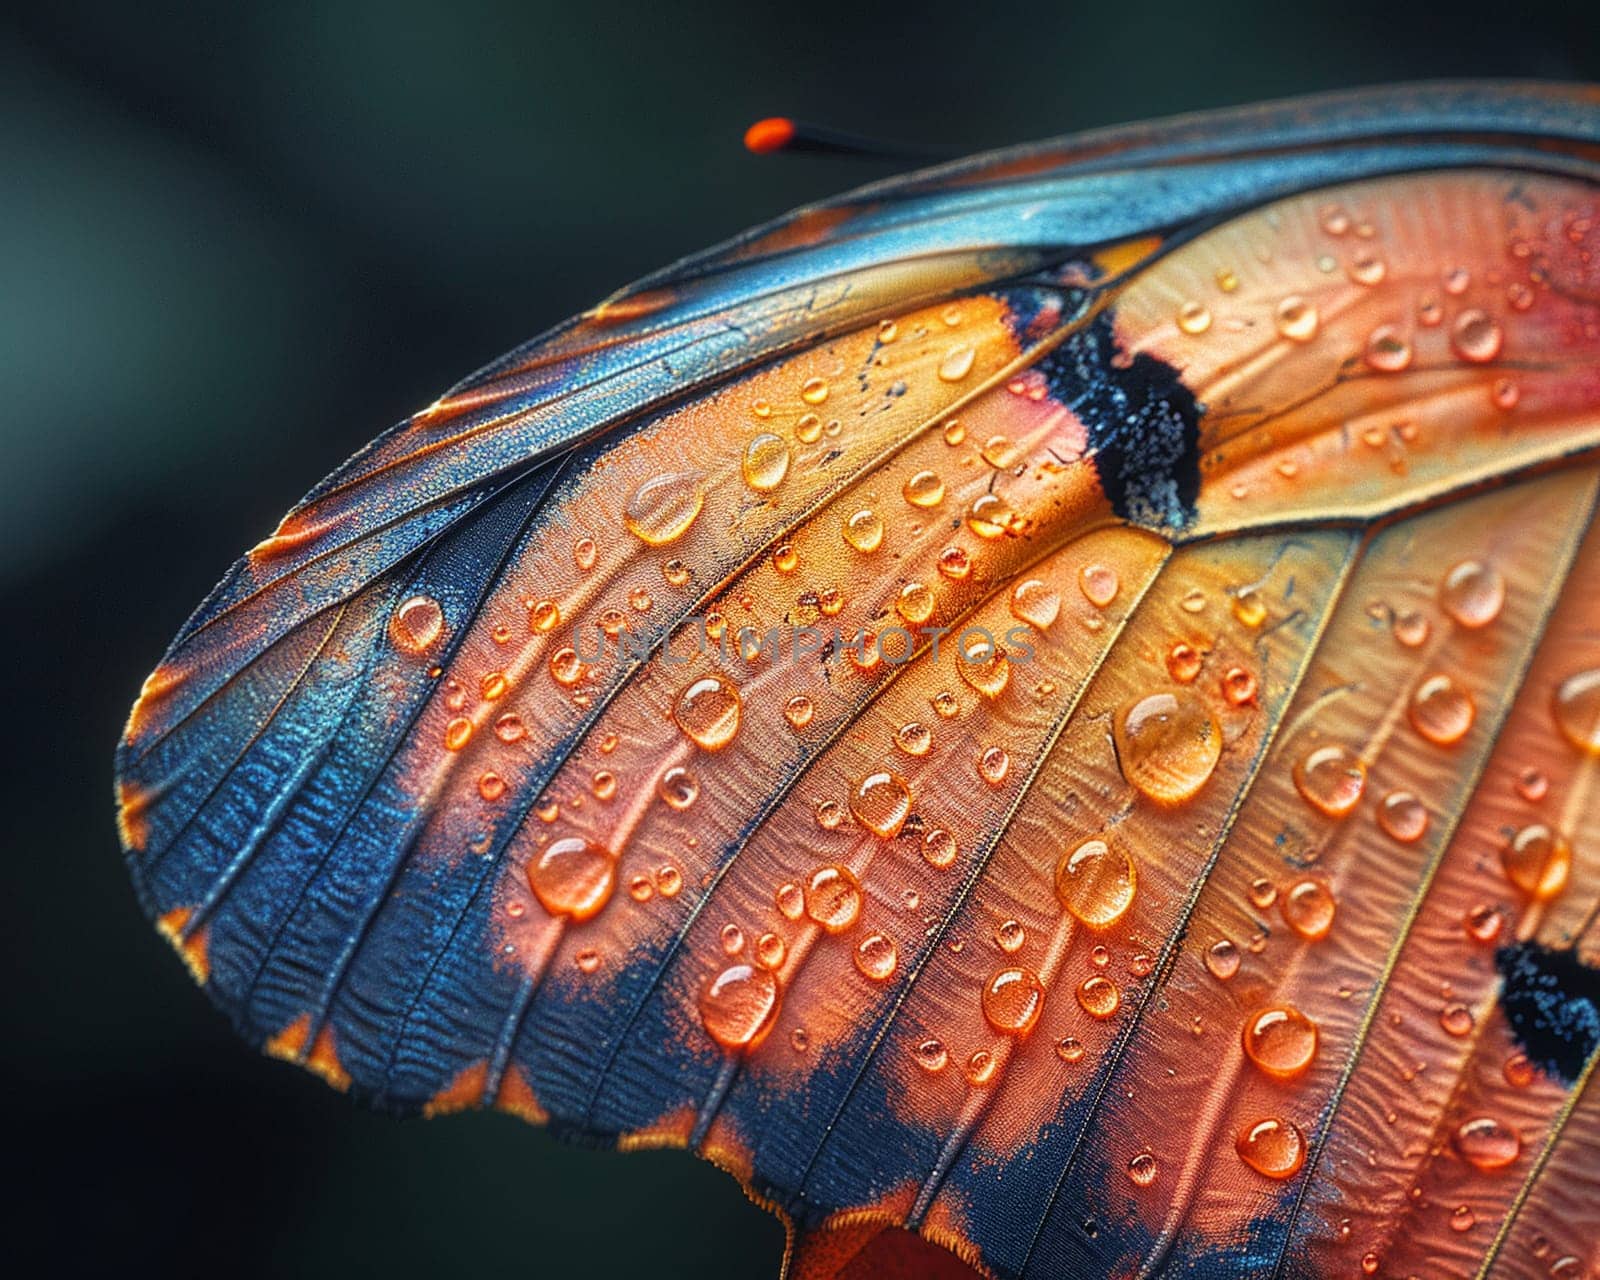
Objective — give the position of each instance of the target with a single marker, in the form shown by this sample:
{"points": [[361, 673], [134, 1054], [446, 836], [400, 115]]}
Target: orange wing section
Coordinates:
{"points": [[1368, 348], [1088, 776]]}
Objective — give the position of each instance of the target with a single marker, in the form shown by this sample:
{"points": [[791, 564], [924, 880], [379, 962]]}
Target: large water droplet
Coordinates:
{"points": [[1099, 997], [1281, 1040], [925, 489], [766, 462], [939, 848], [877, 957], [1476, 337], [1486, 1143], [1096, 882], [863, 530], [678, 787], [881, 802], [1222, 959], [1308, 908], [572, 877], [416, 624], [833, 898], [1012, 1000], [1403, 816], [1441, 710], [739, 1005], [1331, 779], [1577, 710], [664, 507], [1168, 745], [1273, 1147], [1142, 1169], [708, 711], [982, 664], [1472, 593], [1099, 584], [1538, 861], [957, 363], [1297, 319], [1036, 603]]}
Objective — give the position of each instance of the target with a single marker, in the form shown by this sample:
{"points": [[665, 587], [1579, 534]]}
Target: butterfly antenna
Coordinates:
{"points": [[781, 134]]}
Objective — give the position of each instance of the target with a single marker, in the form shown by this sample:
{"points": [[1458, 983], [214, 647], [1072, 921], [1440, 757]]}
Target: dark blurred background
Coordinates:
{"points": [[233, 246]]}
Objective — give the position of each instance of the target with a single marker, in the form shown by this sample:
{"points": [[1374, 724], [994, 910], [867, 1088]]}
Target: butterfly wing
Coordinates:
{"points": [[583, 746]]}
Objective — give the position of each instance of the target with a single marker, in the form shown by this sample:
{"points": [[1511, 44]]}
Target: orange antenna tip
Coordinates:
{"points": [[769, 135]]}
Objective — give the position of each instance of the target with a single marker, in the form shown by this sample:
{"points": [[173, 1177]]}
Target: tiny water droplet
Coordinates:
{"points": [[931, 1055], [1193, 318], [1099, 584], [993, 765], [914, 739], [1036, 603], [1297, 319], [1411, 628], [678, 787], [1456, 1019], [1012, 1000], [916, 602], [1403, 817], [1183, 662], [1388, 350], [791, 901], [1472, 593], [924, 489], [1309, 908]]}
